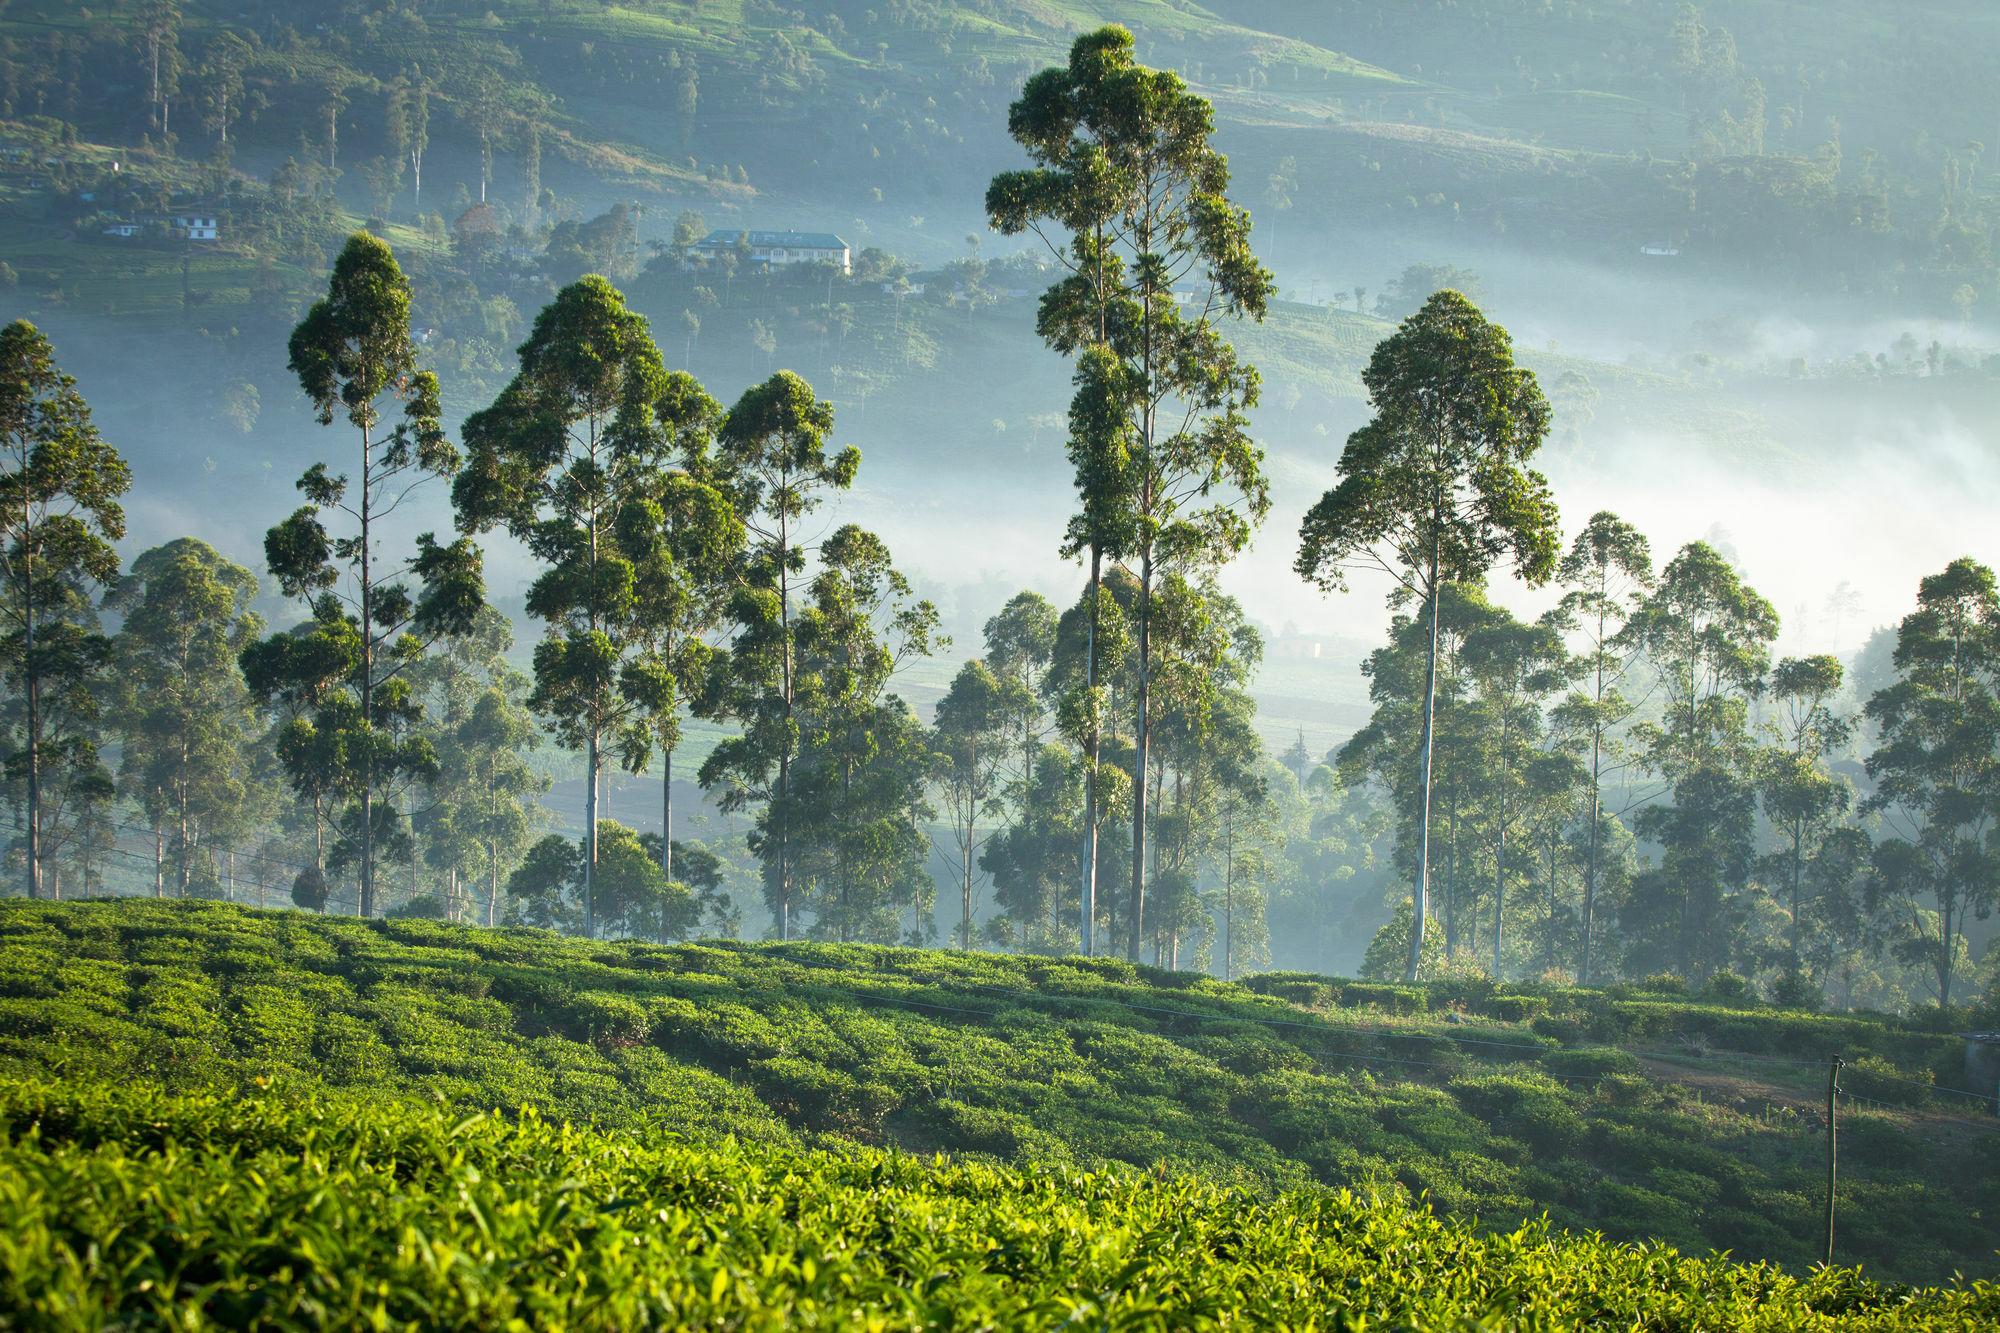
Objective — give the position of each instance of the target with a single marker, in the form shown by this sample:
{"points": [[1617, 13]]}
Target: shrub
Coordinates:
{"points": [[1794, 989], [1873, 1139], [1514, 1008], [1725, 987]]}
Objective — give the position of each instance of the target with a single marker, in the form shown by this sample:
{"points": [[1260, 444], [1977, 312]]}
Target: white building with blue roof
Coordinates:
{"points": [[775, 248]]}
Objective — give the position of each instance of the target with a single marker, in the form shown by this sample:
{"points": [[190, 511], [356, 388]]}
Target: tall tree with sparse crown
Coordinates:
{"points": [[1125, 173], [1435, 490], [59, 515], [354, 357], [775, 449], [555, 460]]}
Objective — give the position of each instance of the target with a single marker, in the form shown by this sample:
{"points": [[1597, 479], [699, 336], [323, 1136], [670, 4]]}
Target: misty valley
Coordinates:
{"points": [[984, 663]]}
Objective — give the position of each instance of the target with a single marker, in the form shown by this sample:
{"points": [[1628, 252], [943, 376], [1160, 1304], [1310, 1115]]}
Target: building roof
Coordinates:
{"points": [[789, 240]]}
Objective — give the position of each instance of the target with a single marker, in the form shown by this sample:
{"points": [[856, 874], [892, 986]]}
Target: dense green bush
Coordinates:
{"points": [[1052, 1061], [135, 1207]]}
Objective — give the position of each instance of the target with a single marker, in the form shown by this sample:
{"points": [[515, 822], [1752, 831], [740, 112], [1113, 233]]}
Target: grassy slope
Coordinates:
{"points": [[257, 1211], [1059, 1062]]}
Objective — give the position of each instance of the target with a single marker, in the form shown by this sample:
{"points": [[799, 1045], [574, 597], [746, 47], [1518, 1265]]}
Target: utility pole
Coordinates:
{"points": [[1832, 1146]]}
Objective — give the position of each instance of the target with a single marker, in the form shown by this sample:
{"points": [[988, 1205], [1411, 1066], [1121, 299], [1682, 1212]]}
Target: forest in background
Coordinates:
{"points": [[1325, 850]]}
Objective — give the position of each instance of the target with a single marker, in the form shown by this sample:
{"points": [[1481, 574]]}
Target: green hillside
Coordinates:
{"points": [[134, 1207], [1683, 1120]]}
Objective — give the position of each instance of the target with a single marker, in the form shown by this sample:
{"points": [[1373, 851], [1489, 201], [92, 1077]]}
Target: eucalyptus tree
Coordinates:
{"points": [[561, 454], [157, 31], [222, 92], [680, 530], [1387, 750], [60, 485], [1607, 573], [970, 740], [1244, 836], [1517, 667], [1435, 490], [185, 718], [858, 799], [1802, 799], [339, 685], [483, 808], [1936, 769], [1208, 653], [1032, 860], [1020, 647], [1706, 636], [1132, 198], [774, 447]]}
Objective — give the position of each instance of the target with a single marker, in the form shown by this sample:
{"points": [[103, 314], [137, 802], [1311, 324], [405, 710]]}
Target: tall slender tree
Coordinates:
{"points": [[1607, 571], [1435, 490], [555, 460], [354, 356], [774, 446], [184, 715], [1517, 666], [1707, 637], [60, 485], [1937, 770], [680, 529], [859, 785], [1125, 169], [971, 744], [158, 35], [1802, 799]]}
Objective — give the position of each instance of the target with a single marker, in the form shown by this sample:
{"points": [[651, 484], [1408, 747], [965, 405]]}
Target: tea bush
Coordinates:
{"points": [[134, 1206], [1272, 1086]]}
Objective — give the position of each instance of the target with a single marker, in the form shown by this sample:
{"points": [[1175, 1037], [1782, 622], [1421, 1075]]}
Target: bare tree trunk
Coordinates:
{"points": [[1500, 860], [590, 839], [367, 903], [667, 814], [1141, 737], [1090, 774], [33, 673], [1420, 899]]}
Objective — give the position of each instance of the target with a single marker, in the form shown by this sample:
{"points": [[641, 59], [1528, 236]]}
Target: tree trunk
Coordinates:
{"points": [[1141, 739], [367, 903], [1089, 934], [1420, 898], [1500, 861], [590, 839], [33, 673], [667, 813]]}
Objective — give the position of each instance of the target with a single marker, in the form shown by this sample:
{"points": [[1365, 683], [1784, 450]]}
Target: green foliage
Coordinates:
{"points": [[151, 1206], [60, 485], [1063, 1063]]}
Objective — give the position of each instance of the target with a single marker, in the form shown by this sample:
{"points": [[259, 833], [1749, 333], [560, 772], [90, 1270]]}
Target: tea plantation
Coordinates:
{"points": [[317, 1119], [138, 1207]]}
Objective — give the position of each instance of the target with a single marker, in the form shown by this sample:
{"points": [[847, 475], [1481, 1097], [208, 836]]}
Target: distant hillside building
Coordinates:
{"points": [[776, 248], [197, 225]]}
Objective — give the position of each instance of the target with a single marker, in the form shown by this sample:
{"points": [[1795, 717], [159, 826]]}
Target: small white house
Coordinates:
{"points": [[1660, 249], [124, 229], [197, 226]]}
